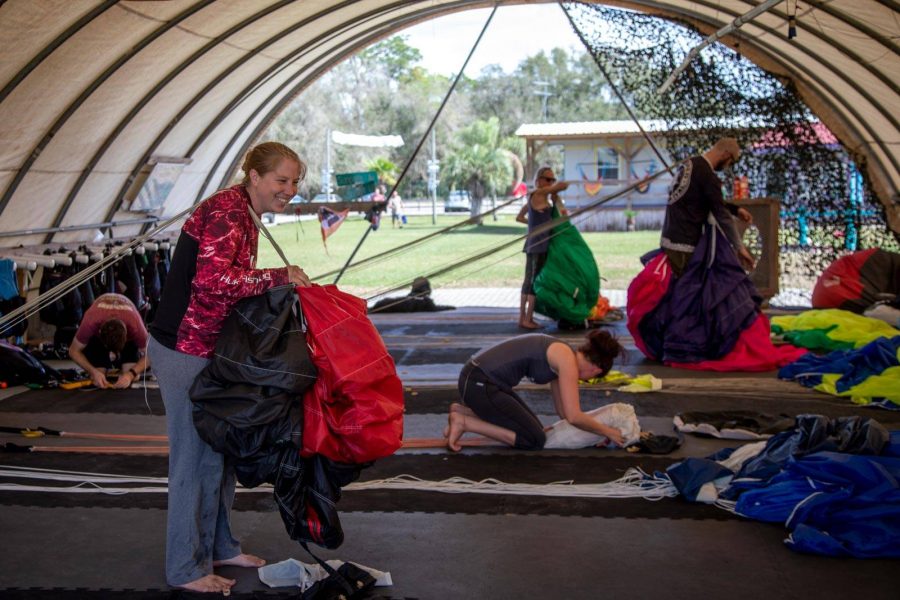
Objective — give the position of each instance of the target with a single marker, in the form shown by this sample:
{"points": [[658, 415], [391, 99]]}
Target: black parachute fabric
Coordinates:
{"points": [[733, 424], [248, 398], [569, 284], [248, 406], [66, 311], [18, 366]]}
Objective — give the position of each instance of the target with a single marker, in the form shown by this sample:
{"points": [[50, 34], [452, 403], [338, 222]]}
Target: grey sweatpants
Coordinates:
{"points": [[201, 488]]}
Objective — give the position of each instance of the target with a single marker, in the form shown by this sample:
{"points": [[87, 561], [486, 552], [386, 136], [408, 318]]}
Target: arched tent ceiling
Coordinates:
{"points": [[93, 89]]}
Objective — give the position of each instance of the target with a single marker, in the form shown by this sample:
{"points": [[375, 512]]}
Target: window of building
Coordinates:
{"points": [[607, 164]]}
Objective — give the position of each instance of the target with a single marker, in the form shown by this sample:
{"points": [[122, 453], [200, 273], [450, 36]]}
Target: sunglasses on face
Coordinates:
{"points": [[550, 179]]}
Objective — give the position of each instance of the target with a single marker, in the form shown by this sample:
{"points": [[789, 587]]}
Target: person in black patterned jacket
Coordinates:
{"points": [[694, 194]]}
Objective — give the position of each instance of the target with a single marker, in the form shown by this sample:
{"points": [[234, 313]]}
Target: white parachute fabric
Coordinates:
{"points": [[564, 435], [368, 141]]}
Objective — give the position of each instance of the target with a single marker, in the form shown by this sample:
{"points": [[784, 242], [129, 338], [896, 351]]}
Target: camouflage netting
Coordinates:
{"points": [[827, 206]]}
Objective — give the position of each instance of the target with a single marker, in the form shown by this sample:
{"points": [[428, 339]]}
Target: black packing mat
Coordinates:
{"points": [[464, 327], [86, 400], [173, 594], [437, 400], [512, 467], [430, 356]]}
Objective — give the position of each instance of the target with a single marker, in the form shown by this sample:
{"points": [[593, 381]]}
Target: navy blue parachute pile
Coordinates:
{"points": [[834, 483]]}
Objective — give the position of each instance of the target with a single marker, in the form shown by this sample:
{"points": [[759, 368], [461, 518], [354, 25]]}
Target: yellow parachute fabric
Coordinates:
{"points": [[847, 326]]}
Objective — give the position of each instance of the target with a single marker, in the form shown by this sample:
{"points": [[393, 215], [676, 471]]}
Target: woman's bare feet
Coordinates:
{"points": [[462, 409], [456, 427], [241, 560], [210, 584], [529, 325]]}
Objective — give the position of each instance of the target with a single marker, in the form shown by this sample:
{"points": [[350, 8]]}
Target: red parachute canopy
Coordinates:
{"points": [[354, 412]]}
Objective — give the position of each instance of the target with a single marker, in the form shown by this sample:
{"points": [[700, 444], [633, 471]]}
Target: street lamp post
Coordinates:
{"points": [[326, 172], [433, 170]]}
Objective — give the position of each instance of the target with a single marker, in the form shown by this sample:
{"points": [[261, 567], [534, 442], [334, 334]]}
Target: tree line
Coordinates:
{"points": [[382, 90]]}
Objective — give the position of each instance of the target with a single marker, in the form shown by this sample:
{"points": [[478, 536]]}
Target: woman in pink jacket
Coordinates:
{"points": [[214, 266]]}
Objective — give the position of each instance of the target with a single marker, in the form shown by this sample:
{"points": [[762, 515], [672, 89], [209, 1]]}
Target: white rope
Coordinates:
{"points": [[727, 505], [89, 483], [15, 471], [81, 488], [634, 484]]}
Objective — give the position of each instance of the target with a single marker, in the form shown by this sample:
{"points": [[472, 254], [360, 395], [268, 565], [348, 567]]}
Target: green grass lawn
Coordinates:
{"points": [[617, 253]]}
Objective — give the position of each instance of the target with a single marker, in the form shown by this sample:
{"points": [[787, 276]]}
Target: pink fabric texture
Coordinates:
{"points": [[753, 351], [226, 261], [112, 306]]}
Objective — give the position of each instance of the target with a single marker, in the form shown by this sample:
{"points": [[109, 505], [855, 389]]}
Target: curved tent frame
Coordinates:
{"points": [[92, 90]]}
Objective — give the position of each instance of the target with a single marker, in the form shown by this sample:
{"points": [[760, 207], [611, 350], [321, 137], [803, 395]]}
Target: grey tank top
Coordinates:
{"points": [[516, 358]]}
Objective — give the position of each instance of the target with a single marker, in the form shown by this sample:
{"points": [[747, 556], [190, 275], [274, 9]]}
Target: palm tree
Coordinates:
{"points": [[385, 169], [478, 162]]}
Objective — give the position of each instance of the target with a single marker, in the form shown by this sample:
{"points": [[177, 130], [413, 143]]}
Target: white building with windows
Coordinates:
{"points": [[607, 156]]}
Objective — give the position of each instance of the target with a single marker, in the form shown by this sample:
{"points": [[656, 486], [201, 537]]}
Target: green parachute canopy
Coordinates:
{"points": [[569, 284]]}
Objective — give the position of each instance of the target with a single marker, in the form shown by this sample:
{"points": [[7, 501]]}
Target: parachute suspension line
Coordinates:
{"points": [[543, 228], [478, 256], [730, 28], [499, 260], [634, 484], [451, 280], [615, 90], [425, 135], [52, 295], [727, 505]]}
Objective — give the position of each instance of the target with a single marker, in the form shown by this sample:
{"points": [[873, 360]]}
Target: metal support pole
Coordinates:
{"points": [[432, 178], [738, 21], [326, 176]]}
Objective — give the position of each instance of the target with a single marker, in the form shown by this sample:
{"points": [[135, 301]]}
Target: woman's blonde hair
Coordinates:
{"points": [[540, 173], [265, 157]]}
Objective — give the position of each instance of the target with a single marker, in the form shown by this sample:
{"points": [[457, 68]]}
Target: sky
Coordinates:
{"points": [[515, 33]]}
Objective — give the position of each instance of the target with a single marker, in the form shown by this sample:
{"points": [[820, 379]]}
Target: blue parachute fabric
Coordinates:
{"points": [[893, 447], [775, 500], [856, 365], [568, 285], [834, 483], [812, 433], [9, 286], [691, 474], [859, 518]]}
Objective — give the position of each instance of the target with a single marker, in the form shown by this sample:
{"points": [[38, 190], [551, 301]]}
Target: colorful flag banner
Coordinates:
{"points": [[651, 169], [330, 221], [590, 187]]}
